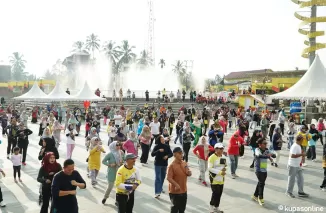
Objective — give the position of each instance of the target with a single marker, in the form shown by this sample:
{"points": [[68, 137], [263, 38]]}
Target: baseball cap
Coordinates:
{"points": [[130, 156], [218, 146], [177, 149]]}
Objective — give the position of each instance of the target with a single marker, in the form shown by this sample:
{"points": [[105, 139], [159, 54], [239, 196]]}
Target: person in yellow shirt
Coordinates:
{"points": [[127, 181], [217, 168], [94, 159], [306, 137]]}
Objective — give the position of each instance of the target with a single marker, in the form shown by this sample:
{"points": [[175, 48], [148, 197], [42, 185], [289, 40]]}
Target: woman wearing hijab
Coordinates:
{"points": [[277, 144], [56, 130], [48, 147], [47, 137], [91, 135], [45, 176], [145, 140], [253, 144], [198, 126], [132, 144], [113, 160], [202, 151], [94, 159], [71, 134]]}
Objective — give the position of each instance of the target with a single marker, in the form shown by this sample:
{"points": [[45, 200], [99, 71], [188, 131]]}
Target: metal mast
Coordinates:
{"points": [[150, 38], [312, 40]]}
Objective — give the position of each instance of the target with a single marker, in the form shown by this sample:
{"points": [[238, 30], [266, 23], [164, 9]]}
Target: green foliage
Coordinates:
{"points": [[17, 67]]}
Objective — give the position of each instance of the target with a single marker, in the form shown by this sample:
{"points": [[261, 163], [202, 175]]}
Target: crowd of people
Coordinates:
{"points": [[148, 130]]}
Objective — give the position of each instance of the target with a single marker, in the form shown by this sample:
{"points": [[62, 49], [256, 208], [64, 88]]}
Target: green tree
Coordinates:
{"points": [[179, 68], [17, 67], [144, 60], [92, 43], [110, 50], [126, 52], [162, 63]]}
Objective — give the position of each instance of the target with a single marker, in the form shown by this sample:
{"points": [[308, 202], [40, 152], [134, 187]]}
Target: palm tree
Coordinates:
{"points": [[17, 67], [179, 68], [144, 60], [92, 43], [162, 63], [126, 53], [79, 46], [111, 51]]}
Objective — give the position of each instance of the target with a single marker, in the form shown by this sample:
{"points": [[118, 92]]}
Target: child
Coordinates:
{"points": [[306, 137], [323, 185], [94, 159], [16, 160]]}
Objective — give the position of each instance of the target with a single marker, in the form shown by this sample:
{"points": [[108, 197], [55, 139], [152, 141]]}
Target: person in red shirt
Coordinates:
{"points": [[223, 124], [202, 151], [233, 152]]}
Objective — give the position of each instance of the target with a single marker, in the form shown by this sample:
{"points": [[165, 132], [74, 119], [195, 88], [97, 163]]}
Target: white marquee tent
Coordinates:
{"points": [[35, 93], [58, 94], [86, 94], [311, 86]]}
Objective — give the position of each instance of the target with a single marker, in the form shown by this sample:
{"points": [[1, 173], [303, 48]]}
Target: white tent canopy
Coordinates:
{"points": [[58, 94], [35, 93], [86, 94], [311, 86]]}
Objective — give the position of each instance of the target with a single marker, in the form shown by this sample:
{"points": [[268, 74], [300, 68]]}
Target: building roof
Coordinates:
{"points": [[282, 73], [245, 74]]}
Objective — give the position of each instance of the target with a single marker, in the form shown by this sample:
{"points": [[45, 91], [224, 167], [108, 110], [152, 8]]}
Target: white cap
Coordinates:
{"points": [[219, 146]]}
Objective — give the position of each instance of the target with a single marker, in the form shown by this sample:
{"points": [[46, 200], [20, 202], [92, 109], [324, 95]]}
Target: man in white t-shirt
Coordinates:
{"points": [[155, 130], [117, 119], [294, 168]]}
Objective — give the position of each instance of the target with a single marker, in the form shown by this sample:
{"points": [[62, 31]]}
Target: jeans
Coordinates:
{"points": [[186, 148], [144, 154], [259, 192], [217, 191], [179, 202], [179, 136], [323, 185], [17, 170], [160, 173], [294, 172], [290, 143], [125, 202], [312, 150], [234, 163], [202, 168]]}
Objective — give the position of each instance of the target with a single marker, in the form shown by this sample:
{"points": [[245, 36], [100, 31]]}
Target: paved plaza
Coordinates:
{"points": [[23, 197]]}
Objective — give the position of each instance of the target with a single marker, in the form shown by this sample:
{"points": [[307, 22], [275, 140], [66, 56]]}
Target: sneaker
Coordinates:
{"points": [[275, 165], [304, 165], [261, 201], [2, 204], [272, 164], [323, 189], [212, 209], [233, 176], [24, 163], [103, 201], [242, 157], [157, 195], [314, 160], [236, 175], [251, 166], [302, 194], [290, 195], [204, 183], [219, 210], [253, 197]]}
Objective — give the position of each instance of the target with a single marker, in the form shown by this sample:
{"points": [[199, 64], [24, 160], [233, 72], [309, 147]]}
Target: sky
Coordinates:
{"points": [[220, 36]]}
